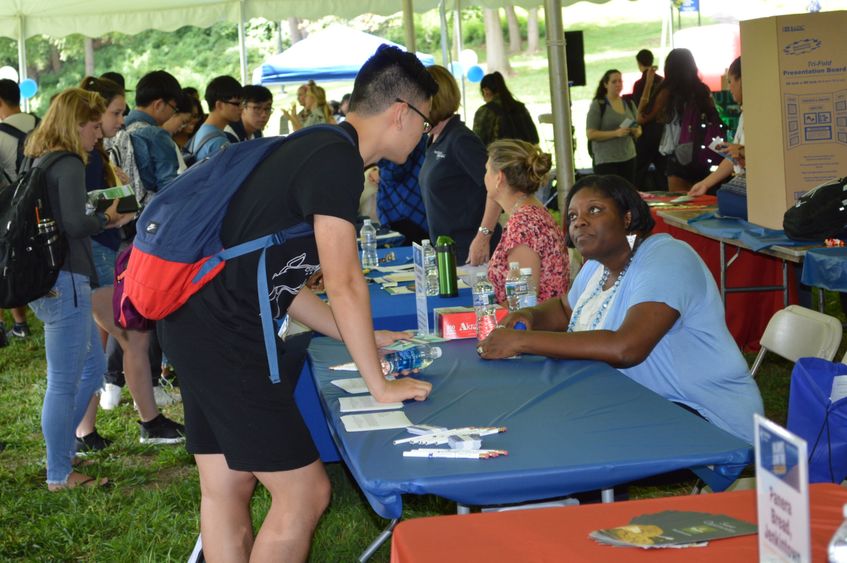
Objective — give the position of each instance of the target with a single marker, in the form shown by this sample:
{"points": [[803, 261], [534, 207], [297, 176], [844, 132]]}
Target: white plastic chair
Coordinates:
{"points": [[796, 332]]}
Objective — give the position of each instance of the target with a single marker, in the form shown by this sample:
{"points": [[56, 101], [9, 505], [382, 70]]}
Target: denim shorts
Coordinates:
{"points": [[104, 263]]}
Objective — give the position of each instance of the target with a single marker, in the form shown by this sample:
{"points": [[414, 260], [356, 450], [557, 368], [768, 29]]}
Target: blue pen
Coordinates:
{"points": [[520, 325]]}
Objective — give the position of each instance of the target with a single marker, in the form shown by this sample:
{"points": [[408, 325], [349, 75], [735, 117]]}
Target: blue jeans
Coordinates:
{"points": [[104, 263], [75, 367]]}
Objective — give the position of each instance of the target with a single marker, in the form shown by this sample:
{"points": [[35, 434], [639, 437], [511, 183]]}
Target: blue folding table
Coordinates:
{"points": [[573, 426]]}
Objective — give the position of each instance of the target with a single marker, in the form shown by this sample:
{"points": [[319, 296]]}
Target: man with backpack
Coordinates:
{"points": [[145, 151], [241, 427], [14, 127], [224, 97]]}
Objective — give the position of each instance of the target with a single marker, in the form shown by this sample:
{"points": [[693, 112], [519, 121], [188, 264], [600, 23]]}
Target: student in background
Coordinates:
{"points": [[257, 107], [15, 125], [224, 96], [612, 128]]}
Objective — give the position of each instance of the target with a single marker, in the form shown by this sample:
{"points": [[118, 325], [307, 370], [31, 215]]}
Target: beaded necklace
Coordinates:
{"points": [[601, 312]]}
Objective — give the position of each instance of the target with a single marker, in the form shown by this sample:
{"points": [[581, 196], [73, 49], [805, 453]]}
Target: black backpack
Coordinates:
{"points": [[820, 213], [20, 137], [27, 271]]}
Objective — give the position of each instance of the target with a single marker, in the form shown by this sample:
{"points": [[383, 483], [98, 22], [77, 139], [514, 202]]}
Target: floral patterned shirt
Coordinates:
{"points": [[533, 226]]}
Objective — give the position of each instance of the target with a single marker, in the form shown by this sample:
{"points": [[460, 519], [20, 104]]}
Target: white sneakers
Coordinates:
{"points": [[165, 394], [110, 396]]}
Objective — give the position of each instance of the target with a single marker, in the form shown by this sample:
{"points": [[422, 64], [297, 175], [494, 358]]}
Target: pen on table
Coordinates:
{"points": [[454, 454]]}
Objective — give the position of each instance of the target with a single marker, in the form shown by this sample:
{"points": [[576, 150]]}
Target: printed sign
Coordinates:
{"points": [[782, 487], [420, 289]]}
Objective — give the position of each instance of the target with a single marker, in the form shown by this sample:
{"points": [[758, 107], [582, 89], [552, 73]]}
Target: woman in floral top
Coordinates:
{"points": [[514, 171]]}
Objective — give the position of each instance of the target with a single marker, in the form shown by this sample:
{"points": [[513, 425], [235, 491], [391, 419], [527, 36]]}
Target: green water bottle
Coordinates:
{"points": [[445, 251]]}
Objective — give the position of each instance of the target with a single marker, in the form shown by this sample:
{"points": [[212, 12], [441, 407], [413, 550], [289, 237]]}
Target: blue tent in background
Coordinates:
{"points": [[336, 53]]}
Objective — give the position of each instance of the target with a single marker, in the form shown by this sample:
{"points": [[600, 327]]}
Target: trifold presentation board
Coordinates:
{"points": [[794, 79]]}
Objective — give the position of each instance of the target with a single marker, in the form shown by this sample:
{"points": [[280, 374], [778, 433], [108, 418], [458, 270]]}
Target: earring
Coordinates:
{"points": [[631, 240]]}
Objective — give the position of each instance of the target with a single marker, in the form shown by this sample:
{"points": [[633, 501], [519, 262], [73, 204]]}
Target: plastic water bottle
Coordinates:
{"points": [[515, 287], [430, 268], [484, 305], [418, 357], [530, 298], [837, 550], [368, 237]]}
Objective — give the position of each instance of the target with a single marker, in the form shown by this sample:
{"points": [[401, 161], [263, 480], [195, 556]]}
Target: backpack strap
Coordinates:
{"points": [[195, 148], [20, 137]]}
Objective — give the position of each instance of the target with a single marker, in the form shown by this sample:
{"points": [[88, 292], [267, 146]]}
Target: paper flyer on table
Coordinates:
{"points": [[375, 421], [365, 403], [674, 528], [353, 385]]}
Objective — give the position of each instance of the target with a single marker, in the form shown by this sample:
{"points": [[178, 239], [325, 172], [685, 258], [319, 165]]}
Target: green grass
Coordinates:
{"points": [[152, 511]]}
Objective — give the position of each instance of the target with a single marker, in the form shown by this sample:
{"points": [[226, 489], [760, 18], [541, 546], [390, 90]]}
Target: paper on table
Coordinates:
{"points": [[400, 277], [375, 421], [839, 388], [353, 385], [365, 403], [398, 268], [398, 290]]}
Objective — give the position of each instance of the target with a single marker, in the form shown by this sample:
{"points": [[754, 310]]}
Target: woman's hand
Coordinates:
{"points": [[501, 343], [699, 188], [480, 249], [121, 175], [521, 316], [385, 337], [622, 132]]}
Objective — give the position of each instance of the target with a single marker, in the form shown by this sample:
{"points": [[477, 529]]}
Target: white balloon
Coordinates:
{"points": [[468, 58], [9, 72]]}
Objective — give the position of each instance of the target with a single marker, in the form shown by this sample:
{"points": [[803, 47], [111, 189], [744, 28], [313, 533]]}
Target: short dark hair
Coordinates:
{"points": [[256, 94], [156, 85], [389, 74], [115, 77], [735, 68], [644, 57], [185, 103], [221, 89], [625, 196], [10, 93]]}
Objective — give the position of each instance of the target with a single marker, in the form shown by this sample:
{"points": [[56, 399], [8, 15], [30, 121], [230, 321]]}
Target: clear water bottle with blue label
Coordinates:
{"points": [[430, 267], [418, 357], [530, 298], [837, 550], [368, 239], [485, 306]]}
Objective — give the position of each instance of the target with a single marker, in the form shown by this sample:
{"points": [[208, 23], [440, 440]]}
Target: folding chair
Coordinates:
{"points": [[796, 332]]}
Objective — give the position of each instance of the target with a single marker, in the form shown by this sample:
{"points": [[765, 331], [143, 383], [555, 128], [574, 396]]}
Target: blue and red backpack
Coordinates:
{"points": [[178, 249]]}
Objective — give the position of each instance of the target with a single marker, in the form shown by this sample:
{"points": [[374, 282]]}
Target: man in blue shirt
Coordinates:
{"points": [[224, 95], [154, 154], [399, 201]]}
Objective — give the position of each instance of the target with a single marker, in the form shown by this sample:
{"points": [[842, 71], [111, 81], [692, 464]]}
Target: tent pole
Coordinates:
{"points": [[560, 98], [442, 10], [242, 46], [22, 56], [409, 25], [457, 40]]}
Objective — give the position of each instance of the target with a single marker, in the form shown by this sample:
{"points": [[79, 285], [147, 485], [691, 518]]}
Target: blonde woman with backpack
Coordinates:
{"points": [[75, 360]]}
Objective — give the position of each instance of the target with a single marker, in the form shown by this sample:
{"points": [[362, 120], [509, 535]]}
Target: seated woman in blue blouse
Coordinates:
{"points": [[670, 337]]}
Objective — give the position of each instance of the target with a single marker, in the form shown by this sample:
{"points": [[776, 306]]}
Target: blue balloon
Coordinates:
{"points": [[456, 69], [28, 88], [475, 73]]}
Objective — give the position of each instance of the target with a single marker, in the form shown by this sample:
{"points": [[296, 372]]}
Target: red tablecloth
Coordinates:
{"points": [[747, 314], [561, 534]]}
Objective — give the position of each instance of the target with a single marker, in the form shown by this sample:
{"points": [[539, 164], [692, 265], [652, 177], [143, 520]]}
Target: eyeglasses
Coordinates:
{"points": [[173, 107], [260, 109], [426, 121], [231, 102]]}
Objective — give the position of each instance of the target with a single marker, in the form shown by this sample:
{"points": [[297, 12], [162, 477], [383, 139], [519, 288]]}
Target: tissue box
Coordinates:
{"points": [[453, 323]]}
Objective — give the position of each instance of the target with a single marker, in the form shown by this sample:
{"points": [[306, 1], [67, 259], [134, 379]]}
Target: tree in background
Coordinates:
{"points": [[495, 50], [532, 31], [514, 30]]}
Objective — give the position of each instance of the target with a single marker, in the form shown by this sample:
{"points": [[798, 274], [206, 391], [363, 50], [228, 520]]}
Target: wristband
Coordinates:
{"points": [[485, 230]]}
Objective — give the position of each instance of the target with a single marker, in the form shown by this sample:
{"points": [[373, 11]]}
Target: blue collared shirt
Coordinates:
{"points": [[155, 156]]}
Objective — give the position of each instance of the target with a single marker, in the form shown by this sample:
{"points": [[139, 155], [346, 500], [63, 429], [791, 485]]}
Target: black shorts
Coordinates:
{"points": [[231, 406], [690, 172]]}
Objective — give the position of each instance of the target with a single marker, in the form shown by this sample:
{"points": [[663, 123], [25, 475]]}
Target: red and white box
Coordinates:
{"points": [[454, 323]]}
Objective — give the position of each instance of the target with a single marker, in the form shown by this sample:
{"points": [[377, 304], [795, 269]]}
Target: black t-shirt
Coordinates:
{"points": [[318, 174]]}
